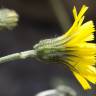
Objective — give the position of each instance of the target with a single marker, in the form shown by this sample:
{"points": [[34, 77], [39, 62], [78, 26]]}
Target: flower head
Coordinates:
{"points": [[73, 49]]}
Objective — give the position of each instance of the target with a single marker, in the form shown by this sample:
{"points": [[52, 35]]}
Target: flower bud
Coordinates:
{"points": [[8, 18]]}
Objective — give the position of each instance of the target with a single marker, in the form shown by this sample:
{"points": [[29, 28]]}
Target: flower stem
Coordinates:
{"points": [[18, 56]]}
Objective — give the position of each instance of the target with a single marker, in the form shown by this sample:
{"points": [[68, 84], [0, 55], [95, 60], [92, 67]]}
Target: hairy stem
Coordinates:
{"points": [[18, 56]]}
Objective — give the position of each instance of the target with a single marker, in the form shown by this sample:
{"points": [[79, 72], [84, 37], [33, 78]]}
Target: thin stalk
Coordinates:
{"points": [[18, 56]]}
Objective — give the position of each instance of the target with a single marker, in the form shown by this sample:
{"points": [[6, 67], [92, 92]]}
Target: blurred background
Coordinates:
{"points": [[39, 19]]}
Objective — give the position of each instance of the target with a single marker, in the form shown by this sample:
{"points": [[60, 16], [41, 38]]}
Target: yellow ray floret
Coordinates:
{"points": [[82, 80], [78, 19], [81, 58]]}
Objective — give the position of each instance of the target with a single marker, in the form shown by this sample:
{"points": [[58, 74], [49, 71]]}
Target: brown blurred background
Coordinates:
{"points": [[39, 19]]}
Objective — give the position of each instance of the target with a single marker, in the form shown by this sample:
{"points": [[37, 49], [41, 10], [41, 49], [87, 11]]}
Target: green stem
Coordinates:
{"points": [[18, 56]]}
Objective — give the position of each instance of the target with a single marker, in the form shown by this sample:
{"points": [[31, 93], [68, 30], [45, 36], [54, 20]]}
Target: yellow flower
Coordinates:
{"points": [[73, 49]]}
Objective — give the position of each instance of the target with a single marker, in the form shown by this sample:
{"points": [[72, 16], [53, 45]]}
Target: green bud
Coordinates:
{"points": [[8, 18]]}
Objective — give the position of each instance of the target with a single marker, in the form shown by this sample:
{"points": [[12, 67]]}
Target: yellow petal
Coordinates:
{"points": [[74, 12], [90, 37], [75, 24], [90, 78], [82, 33], [78, 21], [82, 11], [81, 21], [82, 81]]}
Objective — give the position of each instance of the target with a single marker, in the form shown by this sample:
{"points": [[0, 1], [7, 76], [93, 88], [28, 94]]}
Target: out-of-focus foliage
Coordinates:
{"points": [[61, 90]]}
